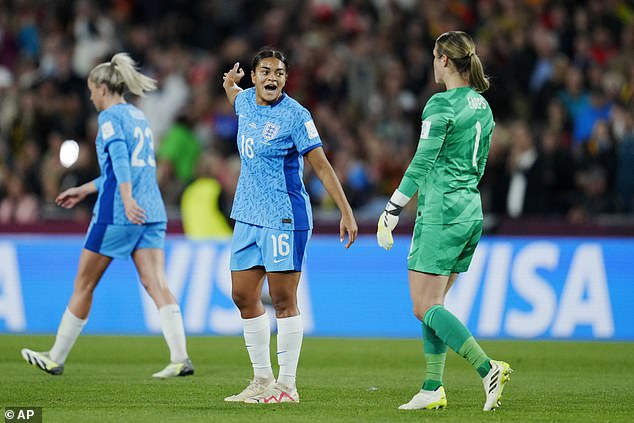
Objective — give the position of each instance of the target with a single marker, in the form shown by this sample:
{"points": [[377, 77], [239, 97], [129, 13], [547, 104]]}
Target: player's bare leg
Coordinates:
{"points": [[150, 263], [90, 270]]}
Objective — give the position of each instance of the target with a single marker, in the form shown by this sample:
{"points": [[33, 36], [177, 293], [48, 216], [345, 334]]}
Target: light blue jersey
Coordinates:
{"points": [[125, 123], [272, 141]]}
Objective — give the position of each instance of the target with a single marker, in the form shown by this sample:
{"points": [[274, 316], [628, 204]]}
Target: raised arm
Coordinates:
{"points": [[230, 82]]}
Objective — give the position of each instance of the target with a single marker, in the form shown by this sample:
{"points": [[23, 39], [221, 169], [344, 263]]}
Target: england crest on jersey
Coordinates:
{"points": [[270, 131]]}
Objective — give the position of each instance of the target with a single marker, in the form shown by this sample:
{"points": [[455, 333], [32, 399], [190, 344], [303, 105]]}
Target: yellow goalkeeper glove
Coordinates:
{"points": [[389, 219], [387, 223]]}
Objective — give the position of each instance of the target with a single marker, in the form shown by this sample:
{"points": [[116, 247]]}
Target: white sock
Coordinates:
{"points": [[257, 337], [174, 332], [290, 332], [69, 329]]}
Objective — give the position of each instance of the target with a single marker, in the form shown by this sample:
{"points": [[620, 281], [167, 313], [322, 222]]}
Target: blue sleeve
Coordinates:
{"points": [[110, 127], [120, 161], [305, 135], [98, 182]]}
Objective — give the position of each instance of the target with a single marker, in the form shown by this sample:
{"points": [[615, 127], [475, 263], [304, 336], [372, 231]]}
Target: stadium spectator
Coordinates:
{"points": [[129, 217], [573, 95], [495, 181], [555, 170], [362, 61], [177, 157], [524, 185], [624, 128], [274, 219], [205, 204], [449, 162], [18, 205]]}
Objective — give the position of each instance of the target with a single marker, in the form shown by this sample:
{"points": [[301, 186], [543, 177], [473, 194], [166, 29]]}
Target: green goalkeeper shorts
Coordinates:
{"points": [[443, 249]]}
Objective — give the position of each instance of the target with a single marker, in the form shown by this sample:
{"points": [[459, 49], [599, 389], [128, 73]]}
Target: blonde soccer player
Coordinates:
{"points": [[129, 217]]}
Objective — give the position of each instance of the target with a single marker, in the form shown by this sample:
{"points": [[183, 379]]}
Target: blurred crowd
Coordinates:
{"points": [[562, 95]]}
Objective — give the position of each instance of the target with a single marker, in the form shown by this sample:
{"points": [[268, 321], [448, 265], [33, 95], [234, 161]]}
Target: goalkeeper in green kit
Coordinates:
{"points": [[445, 171]]}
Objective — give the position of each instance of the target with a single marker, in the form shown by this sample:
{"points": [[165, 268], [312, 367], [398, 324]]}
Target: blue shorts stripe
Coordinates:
{"points": [[300, 239], [95, 236]]}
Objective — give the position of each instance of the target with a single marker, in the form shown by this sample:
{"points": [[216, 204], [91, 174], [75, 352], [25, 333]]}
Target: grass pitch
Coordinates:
{"points": [[107, 379]]}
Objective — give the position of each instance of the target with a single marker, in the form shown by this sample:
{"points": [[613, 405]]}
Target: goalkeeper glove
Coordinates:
{"points": [[389, 219], [387, 223]]}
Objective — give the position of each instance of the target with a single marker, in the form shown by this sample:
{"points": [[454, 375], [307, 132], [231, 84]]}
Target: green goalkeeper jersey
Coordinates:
{"points": [[450, 159]]}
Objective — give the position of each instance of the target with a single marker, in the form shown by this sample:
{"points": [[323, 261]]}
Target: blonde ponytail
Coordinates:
{"points": [[460, 49], [121, 73], [478, 80]]}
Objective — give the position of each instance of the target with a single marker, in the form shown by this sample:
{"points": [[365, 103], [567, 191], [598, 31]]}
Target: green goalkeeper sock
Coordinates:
{"points": [[456, 335], [435, 354], [476, 356]]}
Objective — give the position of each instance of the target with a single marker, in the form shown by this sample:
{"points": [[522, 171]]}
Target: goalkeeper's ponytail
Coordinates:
{"points": [[460, 49]]}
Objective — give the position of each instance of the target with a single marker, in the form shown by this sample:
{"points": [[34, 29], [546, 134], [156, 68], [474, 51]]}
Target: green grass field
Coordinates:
{"points": [[107, 379]]}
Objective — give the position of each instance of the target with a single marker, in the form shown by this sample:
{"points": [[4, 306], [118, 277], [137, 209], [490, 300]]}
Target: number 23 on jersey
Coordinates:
{"points": [[139, 159]]}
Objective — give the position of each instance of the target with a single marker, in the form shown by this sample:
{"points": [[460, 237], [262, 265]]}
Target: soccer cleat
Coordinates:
{"points": [[255, 388], [275, 394], [184, 368], [427, 400], [43, 361], [494, 382]]}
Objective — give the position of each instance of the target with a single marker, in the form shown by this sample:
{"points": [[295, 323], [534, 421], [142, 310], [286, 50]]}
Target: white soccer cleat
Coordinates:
{"points": [[427, 400], [42, 360], [256, 387], [494, 382], [184, 368], [275, 394]]}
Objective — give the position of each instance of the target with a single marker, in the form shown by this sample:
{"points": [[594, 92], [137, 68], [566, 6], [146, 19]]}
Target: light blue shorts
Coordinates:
{"points": [[277, 250], [120, 241]]}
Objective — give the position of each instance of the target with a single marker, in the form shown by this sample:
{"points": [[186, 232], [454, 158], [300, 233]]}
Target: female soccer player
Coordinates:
{"points": [[128, 219], [448, 163], [274, 219]]}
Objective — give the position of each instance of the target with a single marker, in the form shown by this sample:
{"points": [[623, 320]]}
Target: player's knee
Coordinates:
{"points": [[243, 299], [160, 294], [85, 286], [421, 309], [284, 306]]}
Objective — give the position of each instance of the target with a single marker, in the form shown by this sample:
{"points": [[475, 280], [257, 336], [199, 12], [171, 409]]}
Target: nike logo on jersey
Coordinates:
{"points": [[279, 260]]}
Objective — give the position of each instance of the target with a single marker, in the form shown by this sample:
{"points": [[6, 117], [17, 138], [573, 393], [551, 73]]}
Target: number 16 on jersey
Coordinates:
{"points": [[246, 147]]}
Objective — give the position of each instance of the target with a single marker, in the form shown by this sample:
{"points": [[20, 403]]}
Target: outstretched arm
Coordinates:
{"points": [[327, 176], [230, 82], [72, 196]]}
